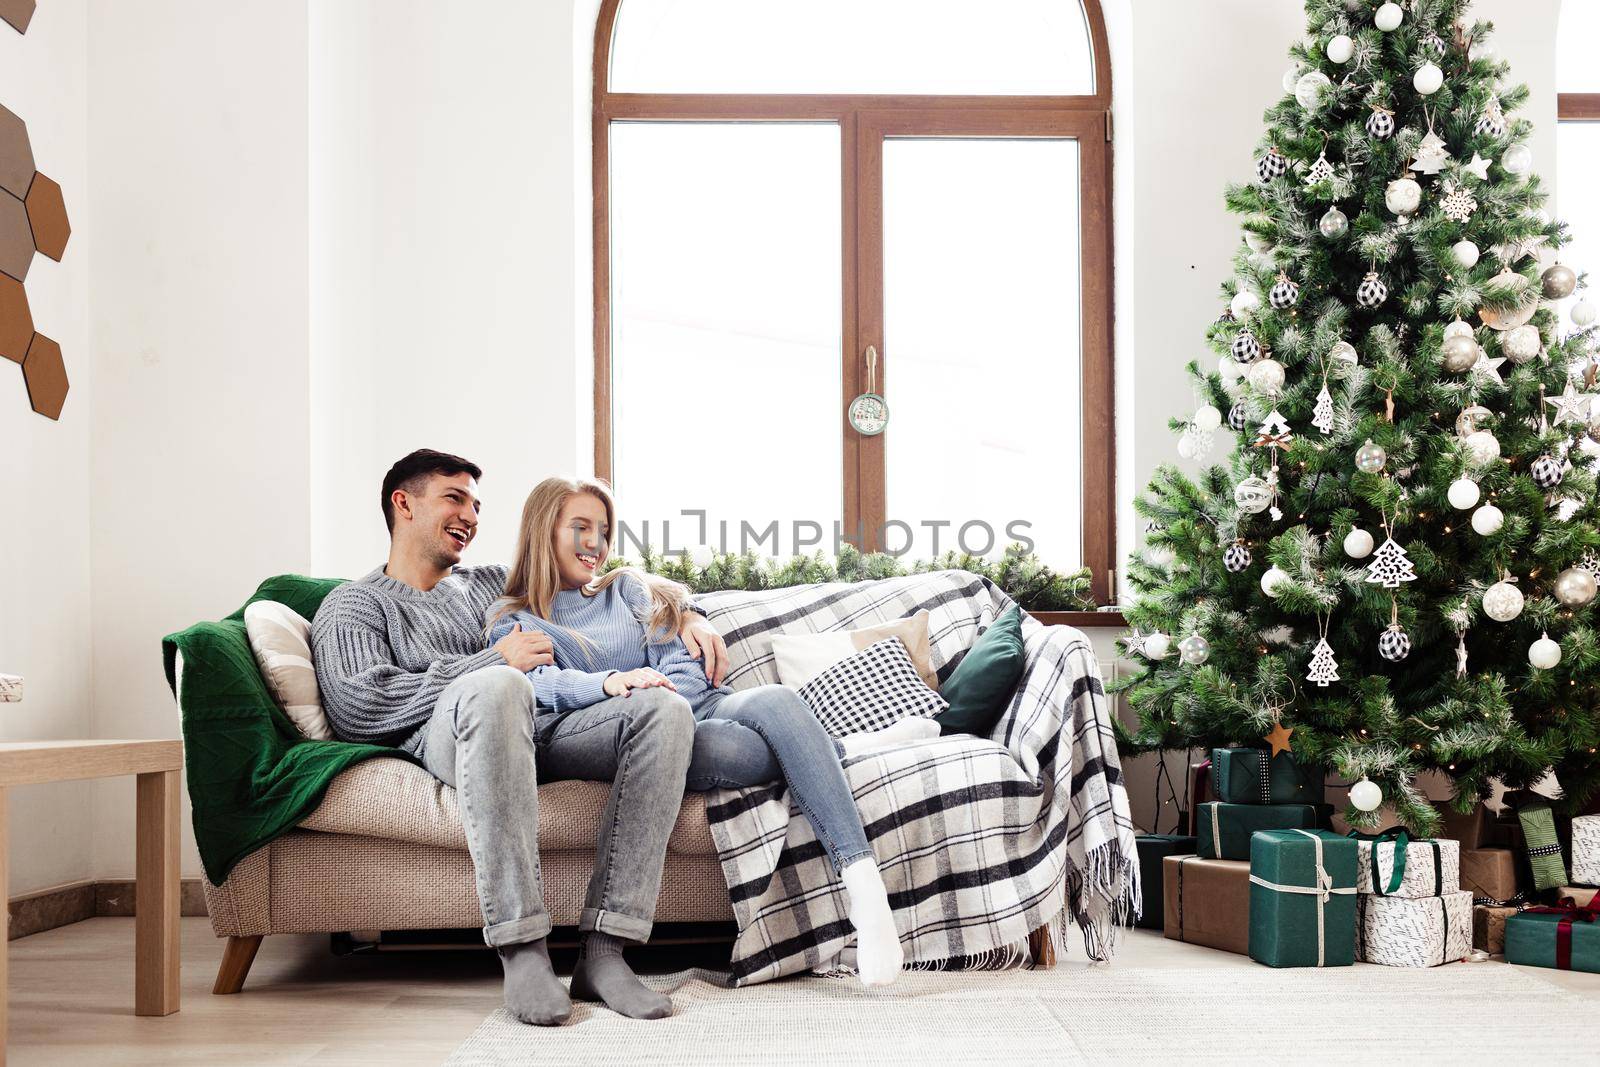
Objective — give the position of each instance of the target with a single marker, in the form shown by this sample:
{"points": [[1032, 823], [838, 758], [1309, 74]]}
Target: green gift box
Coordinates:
{"points": [[1565, 936], [1223, 830], [1302, 898], [1152, 849], [1254, 776]]}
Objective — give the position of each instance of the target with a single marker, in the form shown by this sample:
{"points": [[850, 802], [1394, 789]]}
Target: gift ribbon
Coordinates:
{"points": [[1323, 890], [1570, 911], [1402, 843]]}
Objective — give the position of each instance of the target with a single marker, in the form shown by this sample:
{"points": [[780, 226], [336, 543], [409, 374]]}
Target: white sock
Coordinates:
{"points": [[905, 731], [878, 953]]}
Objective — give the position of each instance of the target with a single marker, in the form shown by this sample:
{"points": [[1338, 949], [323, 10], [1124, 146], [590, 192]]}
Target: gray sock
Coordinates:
{"points": [[603, 975], [533, 992]]}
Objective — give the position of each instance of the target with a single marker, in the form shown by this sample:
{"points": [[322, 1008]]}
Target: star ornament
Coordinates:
{"points": [[1478, 168], [1278, 738], [1571, 406], [1509, 252], [1488, 370]]}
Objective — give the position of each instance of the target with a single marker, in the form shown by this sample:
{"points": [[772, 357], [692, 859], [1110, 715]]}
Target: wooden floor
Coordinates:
{"points": [[72, 998]]}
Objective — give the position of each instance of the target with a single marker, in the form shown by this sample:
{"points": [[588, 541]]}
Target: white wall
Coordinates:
{"points": [[197, 172], [45, 613]]}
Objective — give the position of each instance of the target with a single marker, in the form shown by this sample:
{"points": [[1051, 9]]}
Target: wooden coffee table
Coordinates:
{"points": [[157, 765]]}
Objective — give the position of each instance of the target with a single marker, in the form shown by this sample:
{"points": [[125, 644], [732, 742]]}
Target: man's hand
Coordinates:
{"points": [[525, 651], [699, 638], [621, 683]]}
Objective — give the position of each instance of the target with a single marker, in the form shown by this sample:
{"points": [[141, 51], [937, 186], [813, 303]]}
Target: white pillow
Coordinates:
{"points": [[281, 640], [801, 657]]}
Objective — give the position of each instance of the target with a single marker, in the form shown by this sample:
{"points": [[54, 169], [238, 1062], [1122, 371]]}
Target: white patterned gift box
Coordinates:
{"points": [[1430, 868], [1414, 931], [1586, 850]]}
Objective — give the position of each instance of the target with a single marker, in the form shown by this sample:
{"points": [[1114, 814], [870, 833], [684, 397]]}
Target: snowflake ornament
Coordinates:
{"points": [[1458, 203]]}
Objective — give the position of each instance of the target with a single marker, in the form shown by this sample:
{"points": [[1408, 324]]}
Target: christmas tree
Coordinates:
{"points": [[1398, 371]]}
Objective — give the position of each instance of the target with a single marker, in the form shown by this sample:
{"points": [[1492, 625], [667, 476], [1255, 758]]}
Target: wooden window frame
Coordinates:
{"points": [[1578, 107], [861, 118]]}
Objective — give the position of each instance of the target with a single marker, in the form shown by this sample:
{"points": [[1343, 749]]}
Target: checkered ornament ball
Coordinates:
{"points": [[1394, 645], [1372, 292], [1380, 124], [1546, 472], [1246, 349], [1238, 418], [1271, 165], [1285, 294], [1236, 558]]}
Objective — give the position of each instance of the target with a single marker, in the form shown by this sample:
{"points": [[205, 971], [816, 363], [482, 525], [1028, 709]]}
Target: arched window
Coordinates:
{"points": [[1578, 131], [797, 203]]}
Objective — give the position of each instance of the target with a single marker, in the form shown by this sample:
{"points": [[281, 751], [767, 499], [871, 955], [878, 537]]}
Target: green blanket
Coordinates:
{"points": [[252, 775]]}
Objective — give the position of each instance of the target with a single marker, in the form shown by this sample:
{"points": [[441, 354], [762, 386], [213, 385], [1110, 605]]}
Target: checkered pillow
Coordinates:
{"points": [[870, 690]]}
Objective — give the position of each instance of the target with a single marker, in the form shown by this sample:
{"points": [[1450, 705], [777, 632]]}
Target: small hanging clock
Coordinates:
{"points": [[869, 412]]}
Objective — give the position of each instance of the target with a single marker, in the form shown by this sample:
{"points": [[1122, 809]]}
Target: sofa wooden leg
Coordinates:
{"points": [[1041, 948], [237, 957]]}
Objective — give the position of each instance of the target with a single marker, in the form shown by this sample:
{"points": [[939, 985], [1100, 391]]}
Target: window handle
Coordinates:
{"points": [[872, 368]]}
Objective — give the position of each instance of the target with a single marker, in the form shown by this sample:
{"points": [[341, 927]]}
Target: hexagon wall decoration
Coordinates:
{"points": [[33, 218]]}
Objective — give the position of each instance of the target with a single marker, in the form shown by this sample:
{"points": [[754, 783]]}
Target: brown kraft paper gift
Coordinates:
{"points": [[1207, 902], [1489, 928], [1489, 872]]}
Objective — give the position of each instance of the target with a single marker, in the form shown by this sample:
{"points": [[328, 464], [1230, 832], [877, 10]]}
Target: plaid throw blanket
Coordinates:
{"points": [[981, 840]]}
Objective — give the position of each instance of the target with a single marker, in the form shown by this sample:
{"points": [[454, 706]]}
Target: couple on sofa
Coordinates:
{"points": [[499, 678]]}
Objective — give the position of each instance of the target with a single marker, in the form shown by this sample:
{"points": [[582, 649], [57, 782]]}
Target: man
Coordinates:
{"points": [[401, 661]]}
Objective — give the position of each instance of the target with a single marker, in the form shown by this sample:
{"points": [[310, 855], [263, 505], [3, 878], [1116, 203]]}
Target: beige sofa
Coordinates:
{"points": [[385, 851]]}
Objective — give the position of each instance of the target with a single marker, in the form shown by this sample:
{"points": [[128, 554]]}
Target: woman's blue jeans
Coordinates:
{"points": [[757, 736]]}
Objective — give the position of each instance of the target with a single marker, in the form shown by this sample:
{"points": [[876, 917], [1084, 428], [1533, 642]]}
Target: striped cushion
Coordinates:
{"points": [[281, 640]]}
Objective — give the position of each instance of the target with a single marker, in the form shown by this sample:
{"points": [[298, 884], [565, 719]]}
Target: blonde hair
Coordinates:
{"points": [[535, 577]]}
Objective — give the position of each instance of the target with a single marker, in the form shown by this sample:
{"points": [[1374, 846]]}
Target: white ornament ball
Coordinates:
{"points": [[1344, 352], [1521, 344], [1483, 446], [1257, 243], [1464, 494], [1156, 646], [1483, 49], [1502, 602], [1389, 17], [1371, 458], [1188, 447], [1244, 304], [1290, 76], [1229, 371], [1312, 89], [1466, 254], [1403, 196], [1583, 314], [1517, 160], [1358, 544], [1194, 650], [1542, 217], [1160, 555], [1458, 328], [1341, 48], [1266, 376], [1207, 418], [1487, 520], [1544, 653], [1575, 587], [1252, 496], [1273, 581], [1459, 353], [1365, 795], [1428, 80], [702, 556]]}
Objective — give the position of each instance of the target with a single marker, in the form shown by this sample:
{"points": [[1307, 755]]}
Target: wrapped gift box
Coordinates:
{"points": [[1224, 829], [1542, 844], [1585, 896], [1302, 899], [1586, 850], [1253, 776], [1153, 848], [1565, 936], [1489, 927], [1426, 868], [1415, 931], [1198, 792], [1489, 873], [1207, 902]]}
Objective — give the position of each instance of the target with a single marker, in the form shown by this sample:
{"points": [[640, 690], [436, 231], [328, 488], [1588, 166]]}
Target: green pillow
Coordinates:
{"points": [[980, 688]]}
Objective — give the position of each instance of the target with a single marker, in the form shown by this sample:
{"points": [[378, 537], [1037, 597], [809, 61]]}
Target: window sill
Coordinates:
{"points": [[1083, 620]]}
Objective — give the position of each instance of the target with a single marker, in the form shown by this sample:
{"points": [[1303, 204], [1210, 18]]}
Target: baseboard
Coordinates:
{"points": [[46, 909]]}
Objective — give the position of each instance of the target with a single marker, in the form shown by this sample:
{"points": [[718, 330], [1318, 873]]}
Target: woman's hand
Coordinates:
{"points": [[705, 644], [621, 683]]}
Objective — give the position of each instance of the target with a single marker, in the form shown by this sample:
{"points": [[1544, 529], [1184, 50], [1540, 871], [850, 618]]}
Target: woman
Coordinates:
{"points": [[616, 634]]}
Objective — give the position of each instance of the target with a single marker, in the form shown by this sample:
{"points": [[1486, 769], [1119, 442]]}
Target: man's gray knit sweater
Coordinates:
{"points": [[384, 651]]}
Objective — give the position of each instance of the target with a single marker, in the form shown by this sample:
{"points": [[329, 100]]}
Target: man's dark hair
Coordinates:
{"points": [[411, 473]]}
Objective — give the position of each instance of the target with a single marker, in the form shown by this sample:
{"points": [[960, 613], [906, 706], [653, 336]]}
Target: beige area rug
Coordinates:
{"points": [[1459, 1014]]}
